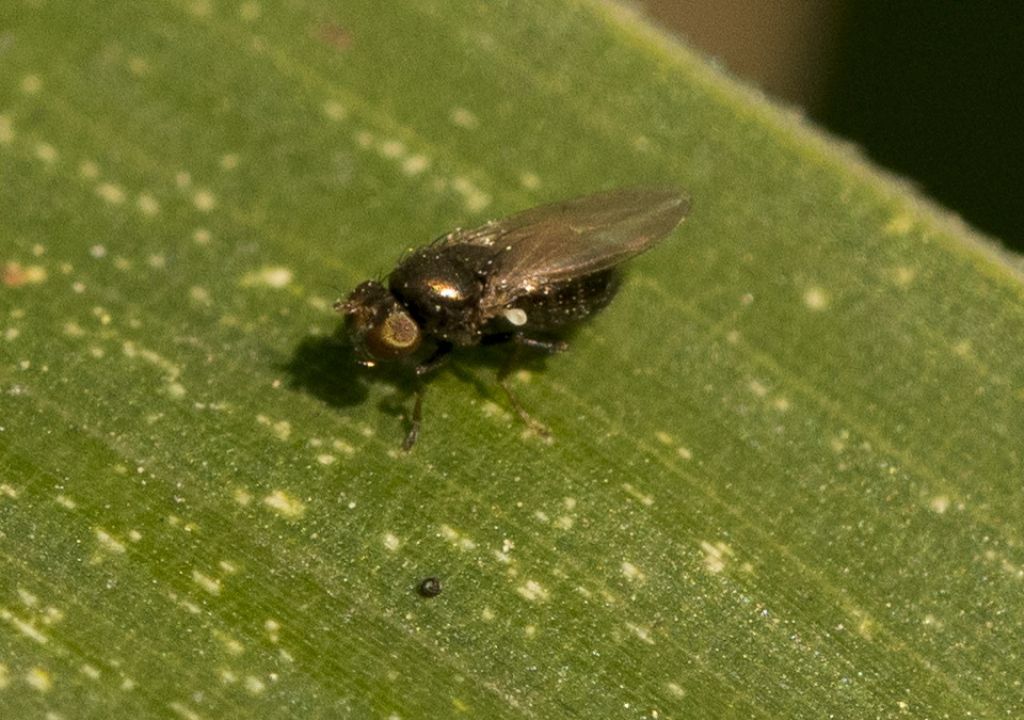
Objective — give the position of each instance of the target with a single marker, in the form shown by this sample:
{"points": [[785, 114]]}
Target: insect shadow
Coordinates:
{"points": [[325, 367]]}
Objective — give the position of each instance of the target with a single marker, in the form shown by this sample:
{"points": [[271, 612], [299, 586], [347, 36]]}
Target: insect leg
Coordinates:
{"points": [[438, 358], [549, 346], [417, 419], [503, 373]]}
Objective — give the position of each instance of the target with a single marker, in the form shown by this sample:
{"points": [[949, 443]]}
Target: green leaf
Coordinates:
{"points": [[785, 479]]}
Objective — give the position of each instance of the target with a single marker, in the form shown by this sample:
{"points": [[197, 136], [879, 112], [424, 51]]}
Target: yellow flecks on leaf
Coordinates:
{"points": [[716, 555], [39, 679], [201, 236], [90, 671], [904, 275], [66, 502], [415, 164], [229, 161], [204, 200], [231, 645], [11, 334], [249, 10], [663, 437], [8, 491], [207, 583], [242, 496], [271, 276], [89, 170], [6, 130], [533, 591], [31, 84], [464, 118], [273, 629], [900, 224], [474, 198], [285, 505], [781, 404], [138, 66], [963, 348], [816, 299], [642, 632], [939, 504], [16, 275], [25, 628], [147, 204], [334, 110], [632, 573], [326, 459], [675, 690], [529, 181], [343, 447], [46, 152], [253, 685], [183, 711], [392, 149], [633, 492], [684, 452], [282, 429], [5, 677], [201, 8], [391, 542], [108, 542], [110, 193], [200, 295], [133, 351], [456, 538]]}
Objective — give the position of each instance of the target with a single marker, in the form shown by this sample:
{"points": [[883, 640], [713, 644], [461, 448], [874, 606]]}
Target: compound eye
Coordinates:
{"points": [[396, 336]]}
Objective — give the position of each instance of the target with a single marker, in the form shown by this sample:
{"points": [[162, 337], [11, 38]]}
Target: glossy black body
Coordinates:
{"points": [[523, 279]]}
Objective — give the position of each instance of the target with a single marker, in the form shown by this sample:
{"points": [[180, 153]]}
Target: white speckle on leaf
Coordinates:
{"points": [[326, 459], [716, 555], [204, 200], [815, 298], [272, 276], [533, 591], [88, 169], [147, 205], [39, 679], [632, 573], [415, 164], [207, 583], [108, 542], [46, 152], [31, 84], [6, 130], [939, 504], [391, 542], [250, 11], [644, 633], [110, 193], [285, 505], [334, 110], [633, 492], [529, 181], [464, 118]]}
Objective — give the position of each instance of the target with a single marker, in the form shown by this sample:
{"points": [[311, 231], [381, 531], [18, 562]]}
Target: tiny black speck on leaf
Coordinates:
{"points": [[430, 587]]}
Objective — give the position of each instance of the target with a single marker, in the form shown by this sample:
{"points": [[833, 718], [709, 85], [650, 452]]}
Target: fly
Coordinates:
{"points": [[521, 280]]}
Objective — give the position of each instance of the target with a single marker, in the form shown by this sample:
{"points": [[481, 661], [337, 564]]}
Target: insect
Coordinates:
{"points": [[522, 280], [429, 587]]}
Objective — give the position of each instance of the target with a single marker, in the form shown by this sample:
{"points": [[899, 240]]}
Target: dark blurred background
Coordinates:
{"points": [[931, 89]]}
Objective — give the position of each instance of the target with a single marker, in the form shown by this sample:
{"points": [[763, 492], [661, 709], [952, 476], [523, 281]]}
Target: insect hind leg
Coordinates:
{"points": [[520, 341]]}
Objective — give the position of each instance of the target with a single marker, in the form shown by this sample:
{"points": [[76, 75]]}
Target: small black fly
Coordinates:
{"points": [[522, 280]]}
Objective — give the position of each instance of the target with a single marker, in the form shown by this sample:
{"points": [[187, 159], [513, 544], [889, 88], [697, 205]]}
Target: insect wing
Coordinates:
{"points": [[571, 239]]}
